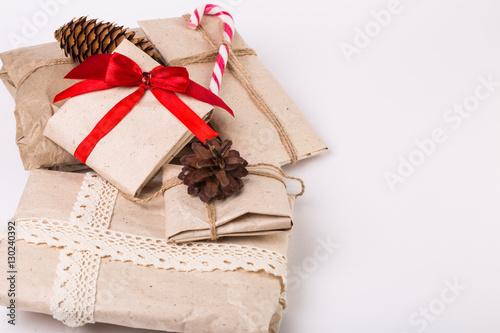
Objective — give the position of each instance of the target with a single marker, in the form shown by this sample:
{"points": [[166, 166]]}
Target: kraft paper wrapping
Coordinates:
{"points": [[138, 296], [261, 207], [145, 139], [4, 75], [251, 131], [34, 98], [34, 105]]}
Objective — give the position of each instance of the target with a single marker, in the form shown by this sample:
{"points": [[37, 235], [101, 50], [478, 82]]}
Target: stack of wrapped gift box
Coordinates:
{"points": [[120, 238]]}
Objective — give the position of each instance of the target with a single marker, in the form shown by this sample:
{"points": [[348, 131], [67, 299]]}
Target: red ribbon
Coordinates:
{"points": [[105, 71]]}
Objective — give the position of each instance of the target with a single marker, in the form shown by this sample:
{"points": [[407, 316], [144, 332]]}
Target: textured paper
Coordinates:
{"points": [[261, 207], [34, 102], [34, 105], [145, 139], [251, 132], [144, 297], [4, 75]]}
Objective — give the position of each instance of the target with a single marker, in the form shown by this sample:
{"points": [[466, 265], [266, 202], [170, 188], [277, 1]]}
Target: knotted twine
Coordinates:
{"points": [[212, 217]]}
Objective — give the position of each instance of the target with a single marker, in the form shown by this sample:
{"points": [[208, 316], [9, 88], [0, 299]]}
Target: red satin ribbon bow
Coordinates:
{"points": [[105, 71]]}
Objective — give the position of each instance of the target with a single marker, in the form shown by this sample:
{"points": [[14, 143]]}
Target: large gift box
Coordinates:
{"points": [[268, 126], [86, 254]]}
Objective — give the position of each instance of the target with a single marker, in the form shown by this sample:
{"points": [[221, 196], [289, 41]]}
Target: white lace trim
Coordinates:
{"points": [[95, 202], [85, 239], [75, 286], [148, 251]]}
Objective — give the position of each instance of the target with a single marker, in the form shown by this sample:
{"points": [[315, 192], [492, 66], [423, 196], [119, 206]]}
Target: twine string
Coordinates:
{"points": [[45, 63], [212, 218], [243, 77], [210, 206], [175, 181], [208, 56], [256, 172], [167, 185]]}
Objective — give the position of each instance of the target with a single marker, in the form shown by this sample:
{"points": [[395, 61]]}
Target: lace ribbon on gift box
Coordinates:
{"points": [[85, 239]]}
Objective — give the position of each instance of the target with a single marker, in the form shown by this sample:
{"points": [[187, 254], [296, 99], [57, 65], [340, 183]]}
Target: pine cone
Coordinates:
{"points": [[213, 171], [82, 38]]}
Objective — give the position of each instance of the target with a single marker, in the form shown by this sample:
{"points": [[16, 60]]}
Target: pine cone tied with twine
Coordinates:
{"points": [[82, 38], [214, 171]]}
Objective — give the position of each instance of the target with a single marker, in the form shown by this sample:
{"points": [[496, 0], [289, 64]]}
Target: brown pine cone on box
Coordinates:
{"points": [[214, 171]]}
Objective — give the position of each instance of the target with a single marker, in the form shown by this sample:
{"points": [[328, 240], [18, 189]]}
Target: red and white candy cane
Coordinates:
{"points": [[220, 65]]}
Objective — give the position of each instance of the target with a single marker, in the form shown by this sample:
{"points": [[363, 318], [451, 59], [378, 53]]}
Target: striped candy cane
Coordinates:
{"points": [[220, 65]]}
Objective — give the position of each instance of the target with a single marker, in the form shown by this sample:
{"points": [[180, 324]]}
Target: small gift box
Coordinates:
{"points": [[127, 131], [262, 207], [268, 126], [86, 254], [34, 75]]}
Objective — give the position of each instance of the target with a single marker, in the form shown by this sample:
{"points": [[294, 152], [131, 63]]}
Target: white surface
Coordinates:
{"points": [[394, 250]]}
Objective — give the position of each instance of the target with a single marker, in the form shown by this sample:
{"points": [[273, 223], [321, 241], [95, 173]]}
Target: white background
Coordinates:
{"points": [[394, 248]]}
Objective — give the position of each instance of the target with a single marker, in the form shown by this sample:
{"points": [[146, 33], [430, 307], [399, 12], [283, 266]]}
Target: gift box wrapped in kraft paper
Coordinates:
{"points": [[262, 207], [86, 254], [144, 139], [268, 126], [34, 75]]}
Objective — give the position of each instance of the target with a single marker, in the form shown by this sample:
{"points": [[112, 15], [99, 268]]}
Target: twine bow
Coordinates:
{"points": [[258, 169]]}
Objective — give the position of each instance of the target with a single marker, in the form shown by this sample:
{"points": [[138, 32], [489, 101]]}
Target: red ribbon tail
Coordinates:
{"points": [[82, 88], [108, 71], [202, 94], [184, 114], [93, 68], [106, 124]]}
